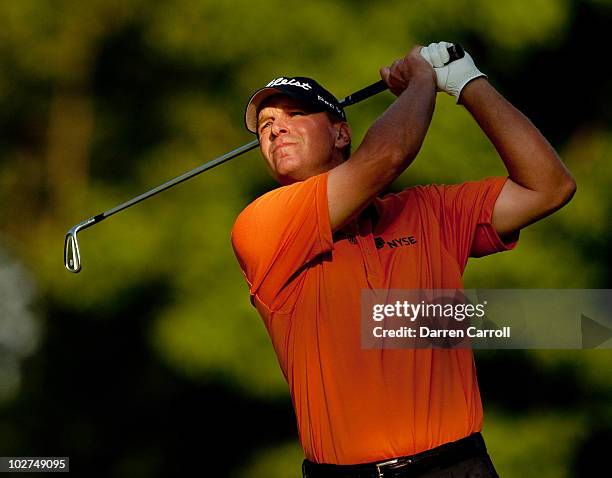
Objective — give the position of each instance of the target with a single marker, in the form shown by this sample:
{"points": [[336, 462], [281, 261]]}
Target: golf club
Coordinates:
{"points": [[72, 256]]}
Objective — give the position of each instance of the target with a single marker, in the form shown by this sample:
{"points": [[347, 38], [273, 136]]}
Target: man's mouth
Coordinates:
{"points": [[278, 147]]}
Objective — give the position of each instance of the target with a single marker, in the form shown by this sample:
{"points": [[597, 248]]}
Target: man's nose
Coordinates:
{"points": [[279, 126]]}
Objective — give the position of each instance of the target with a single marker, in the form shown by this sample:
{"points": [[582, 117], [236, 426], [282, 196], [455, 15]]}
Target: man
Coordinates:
{"points": [[308, 248]]}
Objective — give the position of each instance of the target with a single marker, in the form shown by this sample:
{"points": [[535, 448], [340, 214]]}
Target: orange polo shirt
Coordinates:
{"points": [[357, 405]]}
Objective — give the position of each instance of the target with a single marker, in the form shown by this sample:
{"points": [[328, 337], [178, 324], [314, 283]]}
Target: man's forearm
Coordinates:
{"points": [[529, 158], [399, 133]]}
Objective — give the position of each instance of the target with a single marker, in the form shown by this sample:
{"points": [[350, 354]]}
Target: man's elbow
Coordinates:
{"points": [[384, 163], [391, 155], [568, 190], [563, 192]]}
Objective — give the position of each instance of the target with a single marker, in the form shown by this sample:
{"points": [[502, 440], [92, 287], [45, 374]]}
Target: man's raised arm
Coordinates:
{"points": [[539, 183], [390, 144]]}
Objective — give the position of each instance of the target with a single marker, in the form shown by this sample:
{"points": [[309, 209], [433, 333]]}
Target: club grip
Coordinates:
{"points": [[455, 52]]}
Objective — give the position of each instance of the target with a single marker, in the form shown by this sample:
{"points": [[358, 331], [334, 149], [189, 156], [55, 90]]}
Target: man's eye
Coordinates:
{"points": [[264, 126], [296, 113]]}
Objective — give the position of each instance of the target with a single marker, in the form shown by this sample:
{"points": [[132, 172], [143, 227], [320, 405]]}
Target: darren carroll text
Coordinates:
{"points": [[425, 332]]}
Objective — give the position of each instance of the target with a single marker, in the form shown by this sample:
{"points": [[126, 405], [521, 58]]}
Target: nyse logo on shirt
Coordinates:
{"points": [[393, 243]]}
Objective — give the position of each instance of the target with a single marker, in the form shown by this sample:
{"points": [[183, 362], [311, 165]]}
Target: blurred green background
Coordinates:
{"points": [[151, 360]]}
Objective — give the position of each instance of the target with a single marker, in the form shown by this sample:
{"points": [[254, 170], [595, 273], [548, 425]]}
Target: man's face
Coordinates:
{"points": [[295, 142]]}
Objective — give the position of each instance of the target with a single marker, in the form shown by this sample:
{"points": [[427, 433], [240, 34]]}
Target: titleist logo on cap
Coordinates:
{"points": [[284, 81]]}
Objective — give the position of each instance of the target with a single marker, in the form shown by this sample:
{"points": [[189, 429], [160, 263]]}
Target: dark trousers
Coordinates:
{"points": [[465, 458], [472, 468]]}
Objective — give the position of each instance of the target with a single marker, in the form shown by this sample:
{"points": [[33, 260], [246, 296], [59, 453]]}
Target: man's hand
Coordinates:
{"points": [[453, 77], [402, 71]]}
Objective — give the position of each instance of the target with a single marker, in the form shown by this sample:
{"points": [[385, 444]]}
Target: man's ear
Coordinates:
{"points": [[343, 136]]}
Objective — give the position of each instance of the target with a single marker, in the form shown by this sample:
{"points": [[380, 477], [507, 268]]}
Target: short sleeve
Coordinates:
{"points": [[280, 232], [466, 215], [486, 240]]}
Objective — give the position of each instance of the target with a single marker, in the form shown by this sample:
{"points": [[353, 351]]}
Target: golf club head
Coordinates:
{"points": [[72, 255]]}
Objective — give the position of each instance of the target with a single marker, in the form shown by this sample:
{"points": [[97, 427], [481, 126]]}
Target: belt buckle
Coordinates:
{"points": [[379, 466]]}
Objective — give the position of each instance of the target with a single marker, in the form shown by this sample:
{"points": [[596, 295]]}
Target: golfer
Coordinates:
{"points": [[309, 247]]}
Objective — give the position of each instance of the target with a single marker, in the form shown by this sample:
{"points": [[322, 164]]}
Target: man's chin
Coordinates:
{"points": [[289, 175]]}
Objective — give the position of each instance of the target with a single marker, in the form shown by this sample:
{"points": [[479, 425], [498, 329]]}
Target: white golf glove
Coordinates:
{"points": [[454, 76]]}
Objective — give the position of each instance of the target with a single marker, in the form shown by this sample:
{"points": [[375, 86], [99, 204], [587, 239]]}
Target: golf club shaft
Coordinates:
{"points": [[72, 259], [179, 179]]}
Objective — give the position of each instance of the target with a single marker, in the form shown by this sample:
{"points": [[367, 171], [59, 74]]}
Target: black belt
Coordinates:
{"points": [[440, 457]]}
